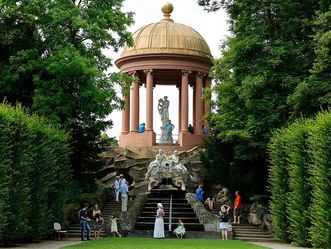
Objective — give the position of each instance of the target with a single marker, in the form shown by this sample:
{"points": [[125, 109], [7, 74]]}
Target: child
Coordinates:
{"points": [[180, 230], [114, 229], [224, 221]]}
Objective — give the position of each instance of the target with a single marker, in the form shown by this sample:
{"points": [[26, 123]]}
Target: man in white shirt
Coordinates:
{"points": [[117, 188]]}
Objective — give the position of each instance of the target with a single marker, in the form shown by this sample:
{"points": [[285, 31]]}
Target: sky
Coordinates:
{"points": [[212, 26]]}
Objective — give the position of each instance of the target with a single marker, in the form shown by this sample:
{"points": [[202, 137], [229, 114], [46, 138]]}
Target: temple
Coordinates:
{"points": [[166, 53]]}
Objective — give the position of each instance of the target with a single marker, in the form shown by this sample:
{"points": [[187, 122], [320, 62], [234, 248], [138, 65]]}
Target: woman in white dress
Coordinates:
{"points": [[159, 224]]}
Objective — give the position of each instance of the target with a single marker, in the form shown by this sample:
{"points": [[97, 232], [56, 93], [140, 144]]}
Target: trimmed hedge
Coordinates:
{"points": [[320, 179], [278, 179], [299, 189], [34, 172], [299, 177]]}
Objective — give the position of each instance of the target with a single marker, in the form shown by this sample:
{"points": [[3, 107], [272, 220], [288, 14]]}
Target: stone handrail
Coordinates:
{"points": [[209, 220], [131, 216]]}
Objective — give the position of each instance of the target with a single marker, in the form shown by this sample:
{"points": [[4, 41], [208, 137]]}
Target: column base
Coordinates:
{"points": [[189, 140], [147, 138]]}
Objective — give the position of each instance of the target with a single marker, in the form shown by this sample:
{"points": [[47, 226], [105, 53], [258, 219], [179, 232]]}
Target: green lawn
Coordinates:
{"points": [[133, 243]]}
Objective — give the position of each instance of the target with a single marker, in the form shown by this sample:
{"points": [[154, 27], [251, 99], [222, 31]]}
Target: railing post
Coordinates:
{"points": [[170, 213]]}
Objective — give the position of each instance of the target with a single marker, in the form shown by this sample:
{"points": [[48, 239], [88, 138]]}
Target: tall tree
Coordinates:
{"points": [[314, 93], [268, 53], [65, 65]]}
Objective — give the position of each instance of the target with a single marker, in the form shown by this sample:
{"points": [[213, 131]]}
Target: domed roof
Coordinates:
{"points": [[167, 37]]}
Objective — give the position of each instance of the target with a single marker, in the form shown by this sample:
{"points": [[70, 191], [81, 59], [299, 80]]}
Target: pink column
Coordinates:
{"points": [[184, 101], [198, 103], [194, 106], [126, 115], [135, 107], [149, 100], [207, 108], [179, 107]]}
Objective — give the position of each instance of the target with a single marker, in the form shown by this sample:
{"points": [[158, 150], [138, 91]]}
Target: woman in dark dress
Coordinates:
{"points": [[97, 221]]}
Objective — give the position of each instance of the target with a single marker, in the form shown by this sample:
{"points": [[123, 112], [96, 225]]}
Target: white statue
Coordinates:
{"points": [[167, 168], [167, 126]]}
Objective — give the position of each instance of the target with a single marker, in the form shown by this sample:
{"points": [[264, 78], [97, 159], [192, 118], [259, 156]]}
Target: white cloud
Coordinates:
{"points": [[212, 26]]}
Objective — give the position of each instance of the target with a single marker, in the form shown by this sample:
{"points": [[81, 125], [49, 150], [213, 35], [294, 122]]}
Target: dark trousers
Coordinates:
{"points": [[86, 226]]}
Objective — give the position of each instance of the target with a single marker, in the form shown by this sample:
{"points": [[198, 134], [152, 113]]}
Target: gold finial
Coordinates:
{"points": [[167, 8]]}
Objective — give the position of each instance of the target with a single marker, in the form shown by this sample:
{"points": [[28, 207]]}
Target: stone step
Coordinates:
{"points": [[150, 226], [251, 232], [188, 235], [251, 235], [256, 239], [174, 219], [177, 214]]}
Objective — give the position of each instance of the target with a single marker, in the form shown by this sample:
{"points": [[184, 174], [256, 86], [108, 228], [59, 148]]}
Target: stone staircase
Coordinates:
{"points": [[180, 209], [248, 232], [110, 208]]}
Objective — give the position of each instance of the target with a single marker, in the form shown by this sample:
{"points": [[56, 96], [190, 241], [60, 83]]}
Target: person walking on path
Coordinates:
{"points": [[117, 188], [97, 221], [199, 193], [159, 224], [224, 221], [84, 219], [237, 208], [114, 228], [124, 194]]}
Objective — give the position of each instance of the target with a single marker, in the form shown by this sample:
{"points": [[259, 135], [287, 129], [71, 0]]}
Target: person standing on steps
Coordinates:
{"points": [[117, 188], [83, 220], [124, 193], [237, 208], [159, 224], [199, 193], [224, 221]]}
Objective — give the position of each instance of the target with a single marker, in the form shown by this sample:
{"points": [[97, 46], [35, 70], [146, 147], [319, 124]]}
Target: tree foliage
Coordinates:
{"points": [[54, 62], [269, 53]]}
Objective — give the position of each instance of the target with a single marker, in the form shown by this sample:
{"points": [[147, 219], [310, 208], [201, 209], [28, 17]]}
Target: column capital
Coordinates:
{"points": [[148, 71], [186, 72], [132, 73], [200, 75]]}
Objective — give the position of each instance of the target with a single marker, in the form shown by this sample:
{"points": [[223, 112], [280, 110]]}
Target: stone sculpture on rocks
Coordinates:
{"points": [[167, 170]]}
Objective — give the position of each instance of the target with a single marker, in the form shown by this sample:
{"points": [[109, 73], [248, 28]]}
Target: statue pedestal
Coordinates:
{"points": [[147, 138], [188, 140]]}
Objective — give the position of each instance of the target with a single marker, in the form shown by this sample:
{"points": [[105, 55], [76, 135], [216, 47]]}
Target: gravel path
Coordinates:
{"points": [[46, 244], [277, 245]]}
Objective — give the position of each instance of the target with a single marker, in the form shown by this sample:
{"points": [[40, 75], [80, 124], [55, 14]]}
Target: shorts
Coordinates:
{"points": [[237, 212], [224, 225]]}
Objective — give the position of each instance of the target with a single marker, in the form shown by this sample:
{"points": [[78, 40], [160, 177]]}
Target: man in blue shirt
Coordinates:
{"points": [[124, 190], [84, 219], [141, 128], [169, 128], [199, 193]]}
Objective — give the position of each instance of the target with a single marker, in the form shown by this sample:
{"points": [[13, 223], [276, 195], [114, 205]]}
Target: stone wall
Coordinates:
{"points": [[210, 221], [131, 216], [258, 215]]}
